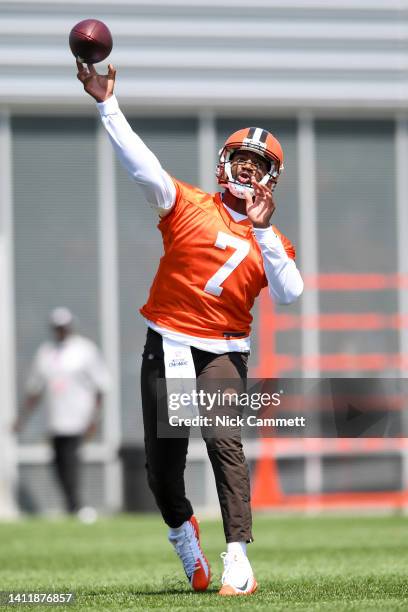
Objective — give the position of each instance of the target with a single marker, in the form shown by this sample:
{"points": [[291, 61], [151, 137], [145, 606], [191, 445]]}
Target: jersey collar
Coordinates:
{"points": [[242, 228]]}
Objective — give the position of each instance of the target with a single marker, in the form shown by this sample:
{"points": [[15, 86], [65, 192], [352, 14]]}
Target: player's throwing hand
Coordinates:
{"points": [[99, 86], [260, 208]]}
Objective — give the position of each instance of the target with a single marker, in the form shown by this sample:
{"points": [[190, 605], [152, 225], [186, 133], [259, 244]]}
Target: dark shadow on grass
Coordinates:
{"points": [[174, 586], [174, 592], [169, 586]]}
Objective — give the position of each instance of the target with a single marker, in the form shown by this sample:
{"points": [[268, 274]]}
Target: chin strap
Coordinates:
{"points": [[239, 189]]}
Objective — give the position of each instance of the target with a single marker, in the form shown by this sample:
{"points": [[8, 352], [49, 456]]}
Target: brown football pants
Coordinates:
{"points": [[166, 457]]}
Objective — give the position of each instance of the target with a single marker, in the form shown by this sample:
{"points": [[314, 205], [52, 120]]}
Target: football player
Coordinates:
{"points": [[220, 250]]}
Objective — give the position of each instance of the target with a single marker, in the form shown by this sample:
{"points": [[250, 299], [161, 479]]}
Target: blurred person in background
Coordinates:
{"points": [[220, 250], [69, 373]]}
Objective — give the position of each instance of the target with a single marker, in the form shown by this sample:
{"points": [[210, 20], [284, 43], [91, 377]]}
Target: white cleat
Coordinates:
{"points": [[238, 577], [188, 548], [87, 515]]}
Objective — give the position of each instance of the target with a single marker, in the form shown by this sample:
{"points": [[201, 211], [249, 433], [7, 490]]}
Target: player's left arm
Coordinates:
{"points": [[284, 280]]}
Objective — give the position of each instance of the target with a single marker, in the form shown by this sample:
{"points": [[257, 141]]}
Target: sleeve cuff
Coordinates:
{"points": [[266, 236], [109, 107]]}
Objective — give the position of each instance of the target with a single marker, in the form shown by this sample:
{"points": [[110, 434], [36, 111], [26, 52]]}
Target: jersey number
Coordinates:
{"points": [[241, 247]]}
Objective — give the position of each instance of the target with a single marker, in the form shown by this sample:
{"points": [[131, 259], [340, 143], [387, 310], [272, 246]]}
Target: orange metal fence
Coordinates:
{"points": [[267, 490]]}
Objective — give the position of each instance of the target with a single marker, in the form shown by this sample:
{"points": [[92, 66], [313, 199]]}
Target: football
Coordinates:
{"points": [[90, 41]]}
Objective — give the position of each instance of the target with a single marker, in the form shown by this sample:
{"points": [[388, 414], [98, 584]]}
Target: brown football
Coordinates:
{"points": [[90, 41]]}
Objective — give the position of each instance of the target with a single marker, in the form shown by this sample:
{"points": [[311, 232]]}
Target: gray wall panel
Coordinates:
{"points": [[193, 53], [55, 231], [357, 227]]}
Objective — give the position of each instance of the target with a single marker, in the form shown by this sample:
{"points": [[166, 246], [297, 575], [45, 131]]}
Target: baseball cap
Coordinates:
{"points": [[60, 317]]}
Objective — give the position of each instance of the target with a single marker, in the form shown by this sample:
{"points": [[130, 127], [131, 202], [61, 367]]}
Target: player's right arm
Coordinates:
{"points": [[34, 390], [142, 165], [29, 403]]}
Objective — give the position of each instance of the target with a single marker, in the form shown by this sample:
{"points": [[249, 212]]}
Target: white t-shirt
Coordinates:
{"points": [[69, 374]]}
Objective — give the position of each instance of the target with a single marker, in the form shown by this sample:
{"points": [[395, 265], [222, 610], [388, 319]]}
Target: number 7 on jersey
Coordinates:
{"points": [[241, 247]]}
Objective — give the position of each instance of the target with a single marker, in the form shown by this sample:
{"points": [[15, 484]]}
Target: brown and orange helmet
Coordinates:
{"points": [[253, 139]]}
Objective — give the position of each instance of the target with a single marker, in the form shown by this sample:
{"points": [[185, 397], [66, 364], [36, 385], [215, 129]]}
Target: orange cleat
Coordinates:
{"points": [[187, 546]]}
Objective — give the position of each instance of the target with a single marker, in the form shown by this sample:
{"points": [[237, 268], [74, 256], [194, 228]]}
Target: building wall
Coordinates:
{"points": [[218, 53]]}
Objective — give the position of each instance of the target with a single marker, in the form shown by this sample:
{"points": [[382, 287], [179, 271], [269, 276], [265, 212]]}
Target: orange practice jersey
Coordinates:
{"points": [[211, 271]]}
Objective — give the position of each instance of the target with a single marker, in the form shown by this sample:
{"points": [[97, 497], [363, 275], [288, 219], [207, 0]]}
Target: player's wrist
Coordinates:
{"points": [[261, 225], [109, 106], [100, 99], [264, 234], [104, 98]]}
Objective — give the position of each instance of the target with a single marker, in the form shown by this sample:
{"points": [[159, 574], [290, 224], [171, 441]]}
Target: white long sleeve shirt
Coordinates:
{"points": [[284, 279], [69, 374], [142, 165]]}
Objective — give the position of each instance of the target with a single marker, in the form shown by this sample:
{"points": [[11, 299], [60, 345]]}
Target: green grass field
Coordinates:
{"points": [[126, 563]]}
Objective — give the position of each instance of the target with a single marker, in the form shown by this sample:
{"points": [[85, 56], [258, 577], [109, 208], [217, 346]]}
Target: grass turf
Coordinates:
{"points": [[125, 563]]}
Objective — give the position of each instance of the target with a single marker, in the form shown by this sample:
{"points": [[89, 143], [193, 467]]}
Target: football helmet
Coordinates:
{"points": [[249, 139]]}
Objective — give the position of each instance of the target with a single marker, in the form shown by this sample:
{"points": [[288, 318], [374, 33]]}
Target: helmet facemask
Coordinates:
{"points": [[236, 188], [245, 140]]}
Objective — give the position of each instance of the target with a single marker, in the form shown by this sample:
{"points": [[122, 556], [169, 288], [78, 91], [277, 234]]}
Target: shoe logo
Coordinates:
{"points": [[244, 587]]}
